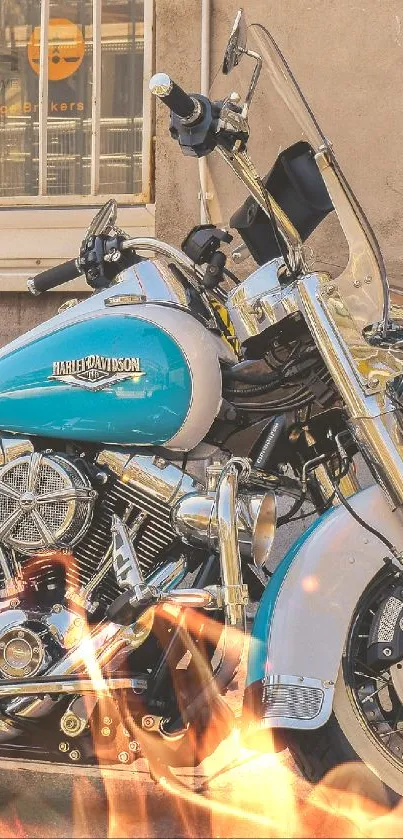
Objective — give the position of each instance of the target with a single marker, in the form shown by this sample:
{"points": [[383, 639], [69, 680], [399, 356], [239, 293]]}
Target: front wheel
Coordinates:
{"points": [[366, 726]]}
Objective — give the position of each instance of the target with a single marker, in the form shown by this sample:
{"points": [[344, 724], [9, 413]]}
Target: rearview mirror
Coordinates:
{"points": [[236, 45]]}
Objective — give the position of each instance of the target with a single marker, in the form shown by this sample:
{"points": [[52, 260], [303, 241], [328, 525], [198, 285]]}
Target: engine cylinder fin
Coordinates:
{"points": [[154, 536]]}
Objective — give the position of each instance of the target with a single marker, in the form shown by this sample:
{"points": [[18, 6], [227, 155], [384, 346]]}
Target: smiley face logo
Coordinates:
{"points": [[66, 49]]}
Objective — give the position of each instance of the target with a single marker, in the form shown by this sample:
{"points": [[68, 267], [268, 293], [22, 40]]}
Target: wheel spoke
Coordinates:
{"points": [[374, 693], [372, 674], [389, 733]]}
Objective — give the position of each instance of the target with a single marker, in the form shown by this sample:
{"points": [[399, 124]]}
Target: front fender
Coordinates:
{"points": [[301, 625]]}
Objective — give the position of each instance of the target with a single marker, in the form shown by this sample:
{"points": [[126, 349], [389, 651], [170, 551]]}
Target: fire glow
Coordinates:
{"points": [[233, 792]]}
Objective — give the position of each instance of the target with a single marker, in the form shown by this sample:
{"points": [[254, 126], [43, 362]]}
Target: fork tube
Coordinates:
{"points": [[372, 418]]}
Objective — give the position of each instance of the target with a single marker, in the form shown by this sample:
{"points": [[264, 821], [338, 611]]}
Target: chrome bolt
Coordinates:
{"points": [[387, 651], [357, 283], [105, 731], [20, 634], [108, 720], [14, 604], [368, 279], [70, 723], [148, 722], [134, 746], [75, 754], [57, 608], [123, 757], [63, 747]]}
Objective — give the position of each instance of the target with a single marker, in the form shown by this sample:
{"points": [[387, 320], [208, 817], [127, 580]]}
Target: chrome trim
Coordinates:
{"points": [[260, 301], [32, 288], [194, 517], [161, 84], [300, 693], [69, 686], [372, 417], [163, 480], [126, 299], [168, 574], [147, 243], [13, 447], [196, 113], [126, 566], [230, 558]]}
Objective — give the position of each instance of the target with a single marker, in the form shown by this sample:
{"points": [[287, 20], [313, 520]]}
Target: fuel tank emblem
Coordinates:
{"points": [[95, 372]]}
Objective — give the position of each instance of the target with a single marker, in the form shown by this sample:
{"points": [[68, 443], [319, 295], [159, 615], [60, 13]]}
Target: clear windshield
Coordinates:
{"points": [[279, 117]]}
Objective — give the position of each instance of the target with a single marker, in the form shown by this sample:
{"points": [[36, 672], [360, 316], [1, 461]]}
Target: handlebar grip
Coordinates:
{"points": [[183, 105], [54, 277]]}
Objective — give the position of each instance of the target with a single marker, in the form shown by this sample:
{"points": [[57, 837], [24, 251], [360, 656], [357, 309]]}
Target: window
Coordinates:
{"points": [[78, 123]]}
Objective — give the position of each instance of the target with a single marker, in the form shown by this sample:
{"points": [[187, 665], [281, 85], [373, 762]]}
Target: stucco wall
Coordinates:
{"points": [[348, 58]]}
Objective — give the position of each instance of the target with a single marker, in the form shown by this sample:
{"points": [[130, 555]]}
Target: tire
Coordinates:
{"points": [[328, 755], [346, 752]]}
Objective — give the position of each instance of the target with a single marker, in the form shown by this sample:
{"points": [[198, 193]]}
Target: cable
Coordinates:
{"points": [[361, 521], [272, 408], [294, 509], [253, 390]]}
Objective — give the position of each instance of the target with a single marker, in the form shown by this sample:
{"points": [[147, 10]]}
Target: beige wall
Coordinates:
{"points": [[348, 58]]}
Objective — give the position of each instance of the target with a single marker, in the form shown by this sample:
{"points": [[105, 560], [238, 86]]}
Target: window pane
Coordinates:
{"points": [[70, 91], [122, 96], [18, 99], [70, 80]]}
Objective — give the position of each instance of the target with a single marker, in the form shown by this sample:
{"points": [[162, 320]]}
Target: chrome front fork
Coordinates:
{"points": [[373, 421]]}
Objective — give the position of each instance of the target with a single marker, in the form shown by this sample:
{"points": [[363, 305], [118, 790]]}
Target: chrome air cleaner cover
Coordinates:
{"points": [[46, 501]]}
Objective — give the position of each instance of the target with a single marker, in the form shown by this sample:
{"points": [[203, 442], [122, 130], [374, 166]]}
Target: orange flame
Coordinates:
{"points": [[257, 794]]}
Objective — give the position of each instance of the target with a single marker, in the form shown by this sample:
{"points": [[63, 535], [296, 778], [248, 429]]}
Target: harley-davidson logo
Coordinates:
{"points": [[95, 372]]}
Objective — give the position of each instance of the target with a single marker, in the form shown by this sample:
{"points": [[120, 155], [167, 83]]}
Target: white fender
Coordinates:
{"points": [[302, 622]]}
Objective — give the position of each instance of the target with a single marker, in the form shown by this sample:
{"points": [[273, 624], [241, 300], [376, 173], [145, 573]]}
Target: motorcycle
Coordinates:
{"points": [[147, 434]]}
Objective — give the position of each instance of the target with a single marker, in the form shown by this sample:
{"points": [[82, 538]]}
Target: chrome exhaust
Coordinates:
{"points": [[70, 686]]}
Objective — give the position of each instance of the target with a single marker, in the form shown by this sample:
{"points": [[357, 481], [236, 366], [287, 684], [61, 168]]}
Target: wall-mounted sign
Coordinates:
{"points": [[66, 49]]}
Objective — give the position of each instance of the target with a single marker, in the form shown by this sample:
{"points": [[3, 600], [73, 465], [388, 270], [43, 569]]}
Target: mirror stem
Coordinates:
{"points": [[254, 80]]}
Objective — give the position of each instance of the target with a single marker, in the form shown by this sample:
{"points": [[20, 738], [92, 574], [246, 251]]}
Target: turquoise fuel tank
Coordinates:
{"points": [[128, 375]]}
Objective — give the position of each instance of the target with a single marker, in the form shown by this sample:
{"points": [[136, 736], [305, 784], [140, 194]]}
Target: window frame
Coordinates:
{"points": [[94, 198]]}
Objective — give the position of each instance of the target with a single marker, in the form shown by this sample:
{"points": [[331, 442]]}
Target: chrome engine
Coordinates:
{"points": [[56, 515], [58, 574]]}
